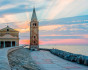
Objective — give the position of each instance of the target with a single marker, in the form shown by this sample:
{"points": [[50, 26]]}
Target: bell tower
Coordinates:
{"points": [[34, 32]]}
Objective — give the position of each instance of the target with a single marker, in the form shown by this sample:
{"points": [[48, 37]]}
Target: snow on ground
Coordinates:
{"points": [[4, 64], [47, 61]]}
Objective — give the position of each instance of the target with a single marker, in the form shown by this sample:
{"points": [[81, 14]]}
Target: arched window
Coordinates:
{"points": [[7, 29], [34, 36], [34, 24], [34, 42]]}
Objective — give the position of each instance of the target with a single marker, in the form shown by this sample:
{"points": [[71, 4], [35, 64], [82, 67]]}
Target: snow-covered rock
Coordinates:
{"points": [[81, 59]]}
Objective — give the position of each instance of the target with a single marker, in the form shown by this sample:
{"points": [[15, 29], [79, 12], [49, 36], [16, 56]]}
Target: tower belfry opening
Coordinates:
{"points": [[34, 32]]}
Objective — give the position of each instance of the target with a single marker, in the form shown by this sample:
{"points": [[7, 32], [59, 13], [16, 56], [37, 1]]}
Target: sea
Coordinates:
{"points": [[77, 49]]}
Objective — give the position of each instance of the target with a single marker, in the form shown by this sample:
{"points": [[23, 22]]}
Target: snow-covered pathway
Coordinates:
{"points": [[48, 61]]}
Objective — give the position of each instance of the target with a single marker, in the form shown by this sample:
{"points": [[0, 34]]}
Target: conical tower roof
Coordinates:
{"points": [[34, 17]]}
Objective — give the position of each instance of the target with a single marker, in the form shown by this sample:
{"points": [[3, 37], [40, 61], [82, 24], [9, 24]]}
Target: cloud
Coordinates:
{"points": [[23, 30], [66, 41], [49, 9], [65, 27], [9, 6], [64, 8], [49, 27], [8, 18], [24, 41], [74, 36], [51, 41], [23, 27], [59, 35], [27, 41], [58, 7], [17, 13], [71, 20], [85, 36]]}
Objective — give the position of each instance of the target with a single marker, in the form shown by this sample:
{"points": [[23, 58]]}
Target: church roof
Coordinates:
{"points": [[10, 29], [8, 36], [34, 17]]}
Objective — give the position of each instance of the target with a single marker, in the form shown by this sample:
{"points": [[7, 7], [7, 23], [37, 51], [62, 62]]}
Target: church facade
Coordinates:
{"points": [[34, 32], [9, 37]]}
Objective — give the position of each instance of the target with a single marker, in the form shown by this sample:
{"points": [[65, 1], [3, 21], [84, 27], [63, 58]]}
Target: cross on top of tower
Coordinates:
{"points": [[34, 17]]}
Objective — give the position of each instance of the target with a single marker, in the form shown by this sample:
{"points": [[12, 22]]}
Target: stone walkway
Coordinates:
{"points": [[48, 61]]}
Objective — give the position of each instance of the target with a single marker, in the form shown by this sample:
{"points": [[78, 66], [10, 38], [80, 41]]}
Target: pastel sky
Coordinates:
{"points": [[60, 21]]}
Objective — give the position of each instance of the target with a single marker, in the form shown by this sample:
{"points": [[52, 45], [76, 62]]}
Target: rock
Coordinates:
{"points": [[86, 61], [81, 59]]}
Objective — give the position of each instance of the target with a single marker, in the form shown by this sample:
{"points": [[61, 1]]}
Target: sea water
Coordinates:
{"points": [[77, 49]]}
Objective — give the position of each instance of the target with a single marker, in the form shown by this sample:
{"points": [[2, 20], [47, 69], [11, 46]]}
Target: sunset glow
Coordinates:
{"points": [[60, 21]]}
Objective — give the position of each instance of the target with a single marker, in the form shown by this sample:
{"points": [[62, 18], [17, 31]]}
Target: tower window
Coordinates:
{"points": [[34, 24], [7, 29], [34, 42], [34, 36]]}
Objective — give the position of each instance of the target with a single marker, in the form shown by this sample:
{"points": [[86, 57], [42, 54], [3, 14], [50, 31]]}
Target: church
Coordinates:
{"points": [[9, 37]]}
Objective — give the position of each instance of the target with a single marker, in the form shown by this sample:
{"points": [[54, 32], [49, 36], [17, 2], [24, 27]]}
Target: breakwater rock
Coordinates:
{"points": [[78, 58]]}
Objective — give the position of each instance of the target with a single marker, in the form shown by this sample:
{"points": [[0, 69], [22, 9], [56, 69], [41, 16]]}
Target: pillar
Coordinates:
{"points": [[15, 43], [4, 44], [11, 44]]}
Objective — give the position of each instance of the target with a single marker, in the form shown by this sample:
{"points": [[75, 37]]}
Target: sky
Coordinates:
{"points": [[61, 22]]}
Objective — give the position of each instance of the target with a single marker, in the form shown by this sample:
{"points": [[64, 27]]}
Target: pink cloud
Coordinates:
{"points": [[65, 41], [84, 36], [50, 27], [24, 41], [58, 41]]}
